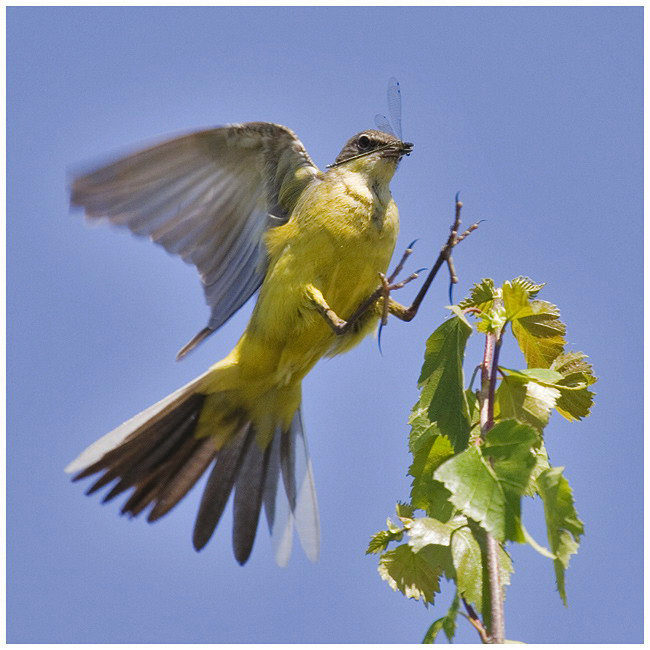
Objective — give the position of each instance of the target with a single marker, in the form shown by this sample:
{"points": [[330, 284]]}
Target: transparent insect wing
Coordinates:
{"points": [[394, 95], [393, 126], [383, 124]]}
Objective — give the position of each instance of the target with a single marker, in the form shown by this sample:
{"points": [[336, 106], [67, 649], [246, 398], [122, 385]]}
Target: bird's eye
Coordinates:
{"points": [[364, 142]]}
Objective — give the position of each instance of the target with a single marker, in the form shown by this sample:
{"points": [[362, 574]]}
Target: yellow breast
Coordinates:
{"points": [[340, 236]]}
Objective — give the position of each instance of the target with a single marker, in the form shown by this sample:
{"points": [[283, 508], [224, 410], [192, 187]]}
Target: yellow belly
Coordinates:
{"points": [[338, 239]]}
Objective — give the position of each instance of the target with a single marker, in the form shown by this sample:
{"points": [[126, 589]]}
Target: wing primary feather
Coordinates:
{"points": [[172, 200], [196, 340], [140, 203], [186, 235], [164, 160], [193, 208], [206, 196]]}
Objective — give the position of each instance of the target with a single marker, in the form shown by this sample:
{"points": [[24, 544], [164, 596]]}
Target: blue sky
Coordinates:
{"points": [[534, 114]]}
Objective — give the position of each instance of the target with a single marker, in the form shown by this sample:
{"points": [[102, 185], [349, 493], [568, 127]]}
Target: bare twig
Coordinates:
{"points": [[444, 256], [453, 278]]}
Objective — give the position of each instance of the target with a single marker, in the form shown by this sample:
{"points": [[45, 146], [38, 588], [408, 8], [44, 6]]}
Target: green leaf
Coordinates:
{"points": [[468, 552], [576, 399], [427, 530], [429, 449], [422, 429], [541, 464], [433, 631], [545, 376], [575, 404], [492, 320], [510, 446], [574, 364], [492, 495], [379, 541], [416, 575], [515, 299], [404, 510], [539, 332], [393, 528], [532, 288], [474, 489], [442, 383], [573, 400], [472, 402], [468, 563], [481, 295], [563, 526], [449, 626], [529, 402], [446, 623], [517, 295]]}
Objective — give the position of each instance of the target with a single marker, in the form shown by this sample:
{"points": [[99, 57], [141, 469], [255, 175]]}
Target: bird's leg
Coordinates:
{"points": [[388, 285], [340, 326]]}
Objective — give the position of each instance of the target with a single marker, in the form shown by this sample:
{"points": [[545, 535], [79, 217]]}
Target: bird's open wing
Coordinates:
{"points": [[209, 197]]}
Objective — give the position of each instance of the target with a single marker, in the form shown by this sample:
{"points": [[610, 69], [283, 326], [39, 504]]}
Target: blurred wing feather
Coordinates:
{"points": [[208, 197]]}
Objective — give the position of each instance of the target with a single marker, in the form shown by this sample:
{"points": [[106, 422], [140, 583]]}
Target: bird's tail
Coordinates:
{"points": [[162, 452]]}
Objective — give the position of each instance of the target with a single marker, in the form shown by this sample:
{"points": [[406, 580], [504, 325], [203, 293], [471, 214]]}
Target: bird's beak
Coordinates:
{"points": [[407, 147]]}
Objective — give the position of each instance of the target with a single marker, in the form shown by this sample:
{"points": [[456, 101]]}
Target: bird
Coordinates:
{"points": [[247, 206]]}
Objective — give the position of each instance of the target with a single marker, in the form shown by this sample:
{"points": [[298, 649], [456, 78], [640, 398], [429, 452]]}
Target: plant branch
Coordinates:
{"points": [[408, 313], [474, 619], [488, 386]]}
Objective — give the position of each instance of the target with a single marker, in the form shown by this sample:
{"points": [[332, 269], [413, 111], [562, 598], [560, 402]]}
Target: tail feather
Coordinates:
{"points": [[131, 429], [185, 479], [162, 443], [249, 490], [159, 456], [271, 484], [143, 495], [173, 466], [305, 508], [296, 506], [141, 466], [219, 485], [288, 465], [129, 448]]}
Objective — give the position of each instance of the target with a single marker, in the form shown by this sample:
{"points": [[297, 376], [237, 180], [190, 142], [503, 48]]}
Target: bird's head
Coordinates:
{"points": [[372, 152]]}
